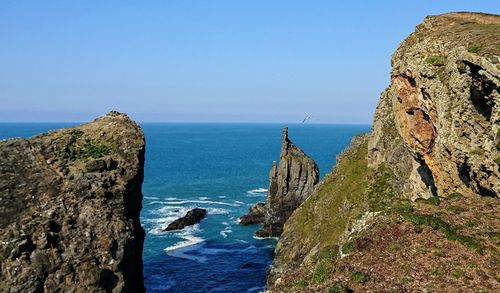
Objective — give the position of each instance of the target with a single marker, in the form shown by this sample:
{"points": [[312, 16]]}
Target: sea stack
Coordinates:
{"points": [[69, 209], [290, 183]]}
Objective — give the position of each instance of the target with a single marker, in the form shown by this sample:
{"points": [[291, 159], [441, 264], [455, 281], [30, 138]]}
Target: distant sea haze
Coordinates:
{"points": [[224, 169]]}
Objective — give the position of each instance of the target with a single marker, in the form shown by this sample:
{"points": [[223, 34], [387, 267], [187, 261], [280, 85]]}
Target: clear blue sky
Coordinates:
{"points": [[213, 61]]}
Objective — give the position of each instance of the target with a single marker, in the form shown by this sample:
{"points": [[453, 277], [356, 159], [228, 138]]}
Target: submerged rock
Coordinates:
{"points": [[290, 184], [192, 217], [69, 209]]}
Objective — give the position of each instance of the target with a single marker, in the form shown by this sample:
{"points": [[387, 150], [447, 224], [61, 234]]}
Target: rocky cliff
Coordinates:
{"points": [[290, 183], [413, 205], [443, 108], [69, 209]]}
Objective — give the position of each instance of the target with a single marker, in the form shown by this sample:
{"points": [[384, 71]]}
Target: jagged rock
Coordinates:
{"points": [[289, 185], [69, 221], [192, 217], [256, 214]]}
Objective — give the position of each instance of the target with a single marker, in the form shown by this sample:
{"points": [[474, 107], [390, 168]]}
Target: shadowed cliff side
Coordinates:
{"points": [[413, 205], [69, 209], [290, 184]]}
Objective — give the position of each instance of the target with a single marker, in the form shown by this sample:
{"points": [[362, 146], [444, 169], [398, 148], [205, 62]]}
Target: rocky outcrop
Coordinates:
{"points": [[434, 139], [290, 184], [192, 217], [69, 209], [441, 112], [256, 214]]}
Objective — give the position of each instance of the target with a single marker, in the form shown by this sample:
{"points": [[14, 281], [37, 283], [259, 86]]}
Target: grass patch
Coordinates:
{"points": [[455, 209], [360, 277], [302, 283], [421, 249], [470, 223], [380, 194], [75, 132], [338, 287], [474, 49], [435, 222], [453, 196], [394, 246], [493, 236], [457, 274], [92, 149], [405, 279], [320, 273], [433, 200], [436, 60], [349, 247], [437, 272]]}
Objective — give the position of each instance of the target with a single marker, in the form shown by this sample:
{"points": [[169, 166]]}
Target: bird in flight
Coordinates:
{"points": [[305, 119]]}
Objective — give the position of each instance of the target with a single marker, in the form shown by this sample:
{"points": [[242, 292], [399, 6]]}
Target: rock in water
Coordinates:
{"points": [[192, 217], [69, 209], [256, 214], [290, 184]]}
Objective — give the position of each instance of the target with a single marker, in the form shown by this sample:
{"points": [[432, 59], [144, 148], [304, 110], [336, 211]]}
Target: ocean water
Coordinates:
{"points": [[224, 169]]}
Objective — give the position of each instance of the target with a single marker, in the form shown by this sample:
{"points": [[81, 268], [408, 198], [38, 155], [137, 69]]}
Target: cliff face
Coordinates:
{"points": [[435, 139], [443, 108], [290, 184], [69, 209]]}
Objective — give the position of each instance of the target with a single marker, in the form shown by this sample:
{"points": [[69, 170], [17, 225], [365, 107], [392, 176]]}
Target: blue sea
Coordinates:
{"points": [[224, 169]]}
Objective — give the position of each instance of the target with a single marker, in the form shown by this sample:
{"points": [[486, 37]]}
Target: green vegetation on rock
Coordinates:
{"points": [[473, 49], [360, 277], [320, 273], [436, 60], [454, 195], [348, 247], [92, 149], [338, 287], [435, 222]]}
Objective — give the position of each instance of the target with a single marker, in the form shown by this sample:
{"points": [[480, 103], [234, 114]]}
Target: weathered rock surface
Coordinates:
{"points": [[436, 132], [441, 112], [192, 217], [69, 209], [256, 214], [290, 184]]}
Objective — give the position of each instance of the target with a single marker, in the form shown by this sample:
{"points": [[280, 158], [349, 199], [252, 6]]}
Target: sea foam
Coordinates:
{"points": [[258, 192]]}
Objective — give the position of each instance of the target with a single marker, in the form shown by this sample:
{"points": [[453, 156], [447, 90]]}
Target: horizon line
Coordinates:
{"points": [[196, 122]]}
